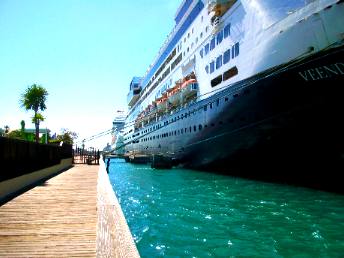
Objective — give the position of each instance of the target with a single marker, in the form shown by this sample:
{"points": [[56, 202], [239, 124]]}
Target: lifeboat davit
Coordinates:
{"points": [[189, 89], [161, 103], [174, 96]]}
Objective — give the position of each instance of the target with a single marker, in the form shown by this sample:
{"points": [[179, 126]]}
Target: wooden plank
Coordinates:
{"points": [[56, 219]]}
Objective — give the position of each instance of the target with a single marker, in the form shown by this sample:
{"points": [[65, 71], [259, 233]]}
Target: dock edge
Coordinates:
{"points": [[114, 238]]}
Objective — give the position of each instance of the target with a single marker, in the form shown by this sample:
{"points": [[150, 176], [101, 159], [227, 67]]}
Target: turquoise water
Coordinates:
{"points": [[185, 213]]}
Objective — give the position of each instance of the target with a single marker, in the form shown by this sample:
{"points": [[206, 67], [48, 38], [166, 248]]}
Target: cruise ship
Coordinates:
{"points": [[117, 131], [242, 82]]}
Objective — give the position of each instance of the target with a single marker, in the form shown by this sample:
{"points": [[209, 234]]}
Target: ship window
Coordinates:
{"points": [[188, 49], [230, 73], [195, 128], [205, 108], [184, 40], [201, 53], [212, 44], [211, 105], [190, 129], [212, 67], [226, 56], [216, 81], [218, 62], [186, 130], [201, 35], [236, 46], [207, 68], [219, 37], [227, 30], [206, 49], [206, 29], [196, 40], [200, 127], [189, 35], [233, 52], [217, 102], [175, 132]]}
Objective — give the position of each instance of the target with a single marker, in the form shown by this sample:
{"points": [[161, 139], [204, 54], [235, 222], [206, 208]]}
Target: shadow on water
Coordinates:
{"points": [[312, 164]]}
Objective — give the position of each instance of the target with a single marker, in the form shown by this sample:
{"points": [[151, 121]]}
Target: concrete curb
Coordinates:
{"points": [[114, 238]]}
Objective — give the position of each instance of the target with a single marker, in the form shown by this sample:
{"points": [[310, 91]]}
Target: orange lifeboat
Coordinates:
{"points": [[186, 83]]}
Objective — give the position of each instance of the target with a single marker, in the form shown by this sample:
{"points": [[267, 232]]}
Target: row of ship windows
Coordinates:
{"points": [[179, 48], [215, 41], [190, 129], [223, 59], [222, 34], [188, 114]]}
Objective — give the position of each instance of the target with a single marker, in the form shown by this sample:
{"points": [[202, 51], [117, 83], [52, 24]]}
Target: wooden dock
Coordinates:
{"points": [[74, 214], [55, 219]]}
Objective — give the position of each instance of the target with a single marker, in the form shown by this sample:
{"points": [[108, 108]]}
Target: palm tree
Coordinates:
{"points": [[7, 129], [34, 99]]}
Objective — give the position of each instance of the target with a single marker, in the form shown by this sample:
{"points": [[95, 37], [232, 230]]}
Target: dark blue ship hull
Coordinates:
{"points": [[281, 121]]}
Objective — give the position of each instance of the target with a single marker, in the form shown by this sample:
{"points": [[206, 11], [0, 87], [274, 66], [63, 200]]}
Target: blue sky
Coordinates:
{"points": [[83, 52]]}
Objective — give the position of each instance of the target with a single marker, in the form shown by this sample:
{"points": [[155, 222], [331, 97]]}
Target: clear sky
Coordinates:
{"points": [[84, 52]]}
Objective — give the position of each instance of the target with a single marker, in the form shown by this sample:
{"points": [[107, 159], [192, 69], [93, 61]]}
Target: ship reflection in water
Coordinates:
{"points": [[186, 213]]}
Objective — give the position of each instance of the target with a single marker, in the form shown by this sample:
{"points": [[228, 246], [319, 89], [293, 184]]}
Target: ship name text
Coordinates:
{"points": [[322, 72]]}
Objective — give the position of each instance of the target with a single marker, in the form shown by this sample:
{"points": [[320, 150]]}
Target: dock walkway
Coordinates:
{"points": [[55, 219]]}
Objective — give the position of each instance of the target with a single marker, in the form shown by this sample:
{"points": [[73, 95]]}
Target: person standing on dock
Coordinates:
{"points": [[107, 165]]}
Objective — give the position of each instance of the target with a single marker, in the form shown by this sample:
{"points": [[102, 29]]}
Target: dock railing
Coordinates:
{"points": [[89, 156]]}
